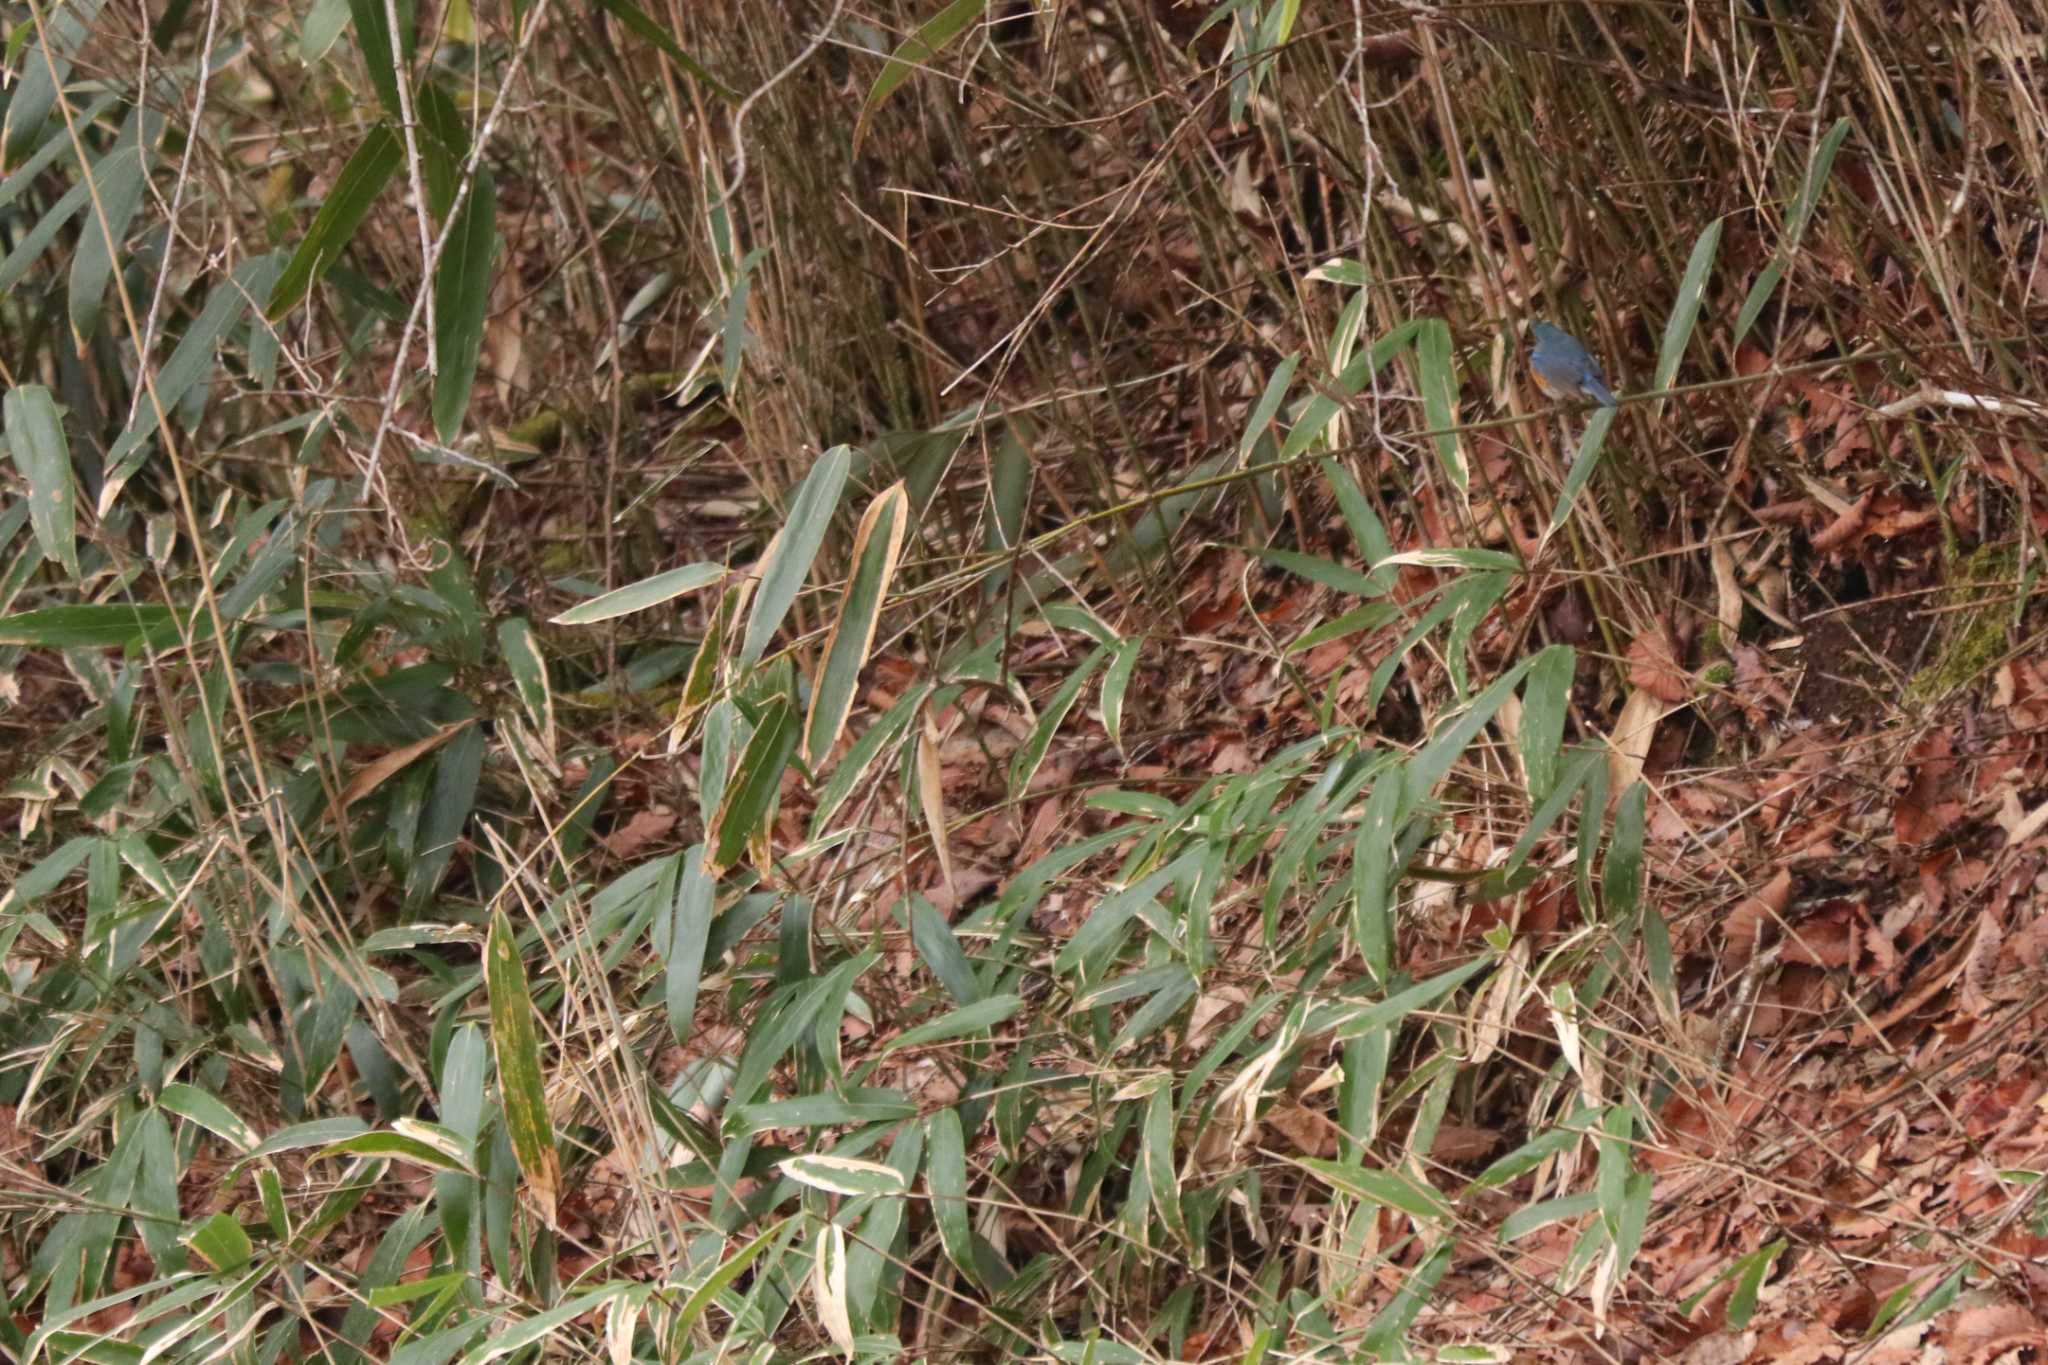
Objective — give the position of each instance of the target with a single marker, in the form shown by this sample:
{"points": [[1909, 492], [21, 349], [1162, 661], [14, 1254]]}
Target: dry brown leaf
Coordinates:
{"points": [[1753, 918], [1634, 730], [642, 829], [1653, 659], [380, 770]]}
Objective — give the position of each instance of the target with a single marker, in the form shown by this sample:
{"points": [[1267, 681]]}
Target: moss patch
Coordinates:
{"points": [[1978, 638]]}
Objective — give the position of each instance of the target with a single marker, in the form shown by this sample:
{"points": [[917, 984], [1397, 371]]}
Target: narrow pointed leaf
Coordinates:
{"points": [[334, 226], [515, 1041], [35, 438], [877, 545], [648, 592], [788, 560], [747, 798], [914, 52], [462, 295]]}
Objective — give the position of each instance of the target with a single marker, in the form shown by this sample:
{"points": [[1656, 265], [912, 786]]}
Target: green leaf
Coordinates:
{"points": [[119, 178], [914, 52], [462, 297], [38, 239], [945, 1174], [381, 57], [877, 545], [419, 1150], [204, 1109], [1617, 1126], [191, 361], [1352, 1021], [790, 1016], [1439, 384], [324, 23], [690, 930], [723, 1277], [1621, 879], [221, 1243], [648, 592], [1385, 1334], [1429, 766], [788, 560], [503, 1340], [334, 226], [1759, 296], [1533, 1153], [313, 1133], [529, 670], [1529, 1218], [940, 948], [978, 1017], [449, 805], [1024, 763], [35, 438], [515, 1041], [1323, 571], [750, 794], [1268, 404], [1751, 1269], [639, 23], [1389, 1189], [1367, 534], [1583, 465], [1685, 309], [1091, 945], [1324, 408], [1546, 701], [824, 1110], [41, 73], [1162, 1176], [1116, 681], [1817, 172]]}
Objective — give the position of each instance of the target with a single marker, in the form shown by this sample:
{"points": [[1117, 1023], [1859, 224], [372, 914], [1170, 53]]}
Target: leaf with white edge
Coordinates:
{"points": [[877, 546], [1116, 682], [202, 1108], [221, 1243], [1497, 561], [529, 670], [750, 795], [648, 592], [503, 1340], [828, 1287], [844, 1174]]}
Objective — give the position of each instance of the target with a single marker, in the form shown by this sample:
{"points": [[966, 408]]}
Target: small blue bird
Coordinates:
{"points": [[1564, 369]]}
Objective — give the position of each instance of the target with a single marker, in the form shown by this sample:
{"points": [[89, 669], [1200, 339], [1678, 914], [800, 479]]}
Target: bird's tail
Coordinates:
{"points": [[1600, 392]]}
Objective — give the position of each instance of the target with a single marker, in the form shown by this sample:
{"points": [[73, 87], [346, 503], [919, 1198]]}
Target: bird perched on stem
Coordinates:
{"points": [[1563, 367]]}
